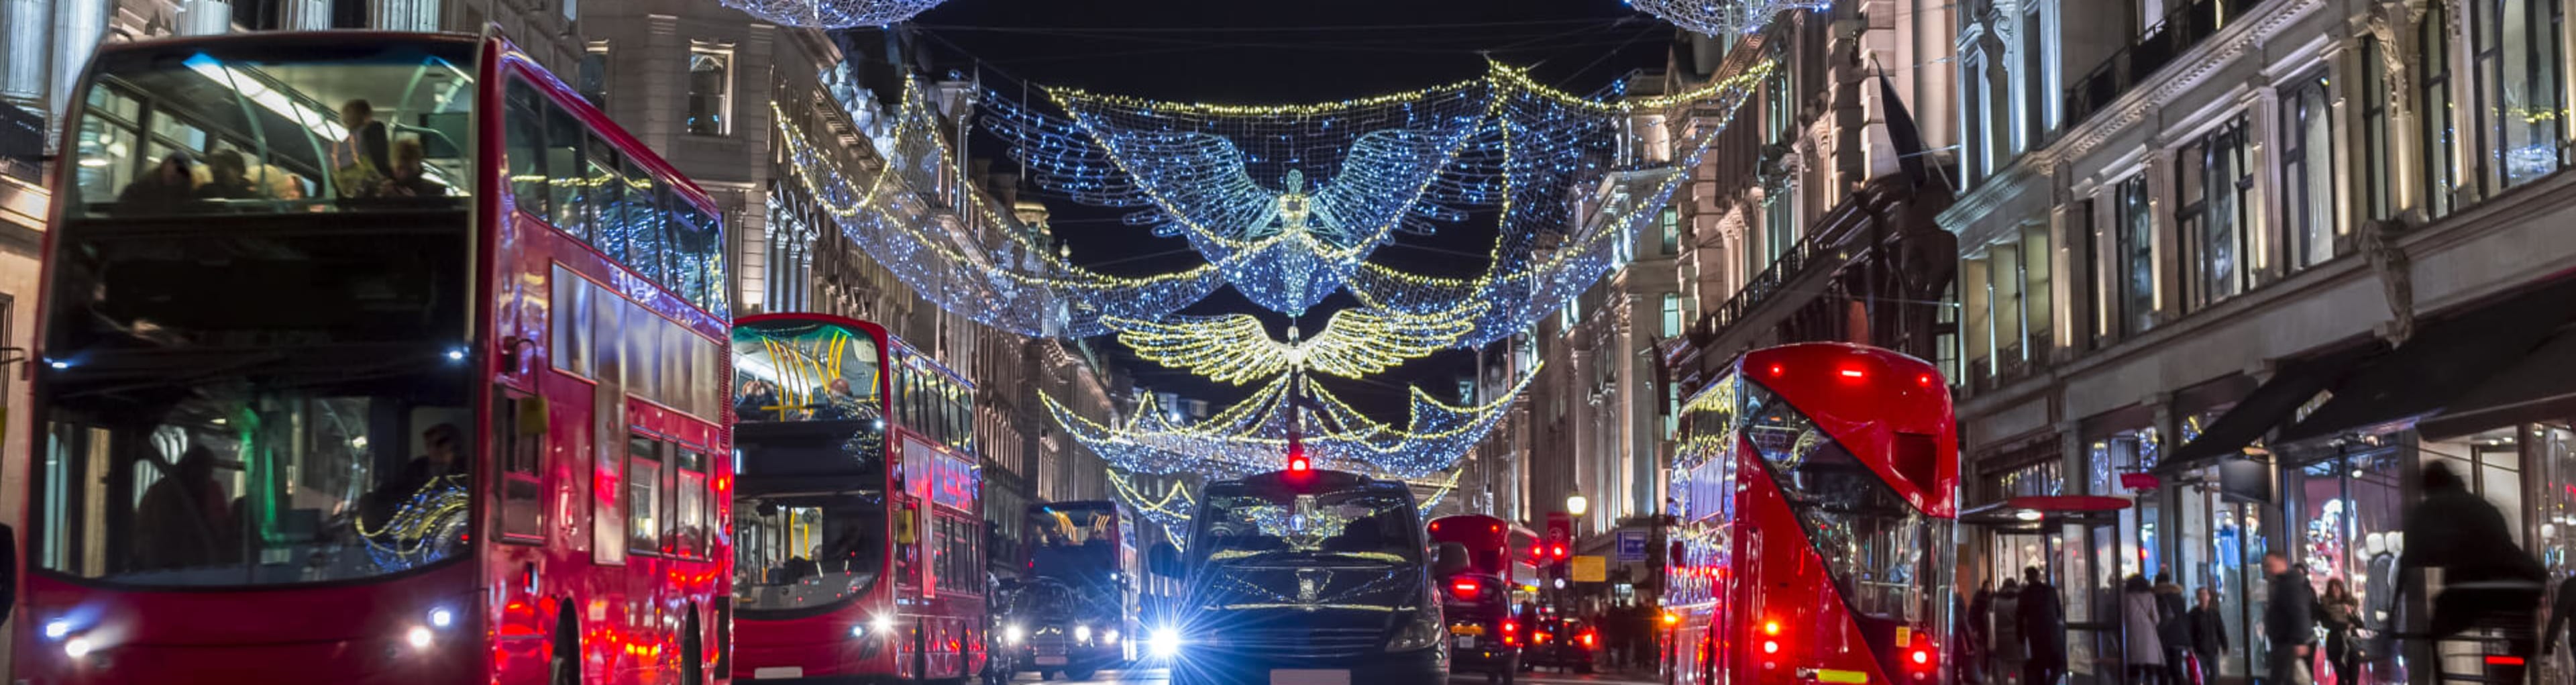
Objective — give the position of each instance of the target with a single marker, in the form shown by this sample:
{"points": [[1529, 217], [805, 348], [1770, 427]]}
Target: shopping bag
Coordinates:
{"points": [[2320, 671], [2191, 667]]}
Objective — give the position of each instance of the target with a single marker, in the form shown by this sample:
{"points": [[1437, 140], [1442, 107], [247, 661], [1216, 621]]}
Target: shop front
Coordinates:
{"points": [[2486, 391]]}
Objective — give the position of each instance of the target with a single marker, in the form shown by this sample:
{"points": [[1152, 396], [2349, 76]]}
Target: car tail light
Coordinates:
{"points": [[1589, 637], [1541, 638], [1466, 588]]}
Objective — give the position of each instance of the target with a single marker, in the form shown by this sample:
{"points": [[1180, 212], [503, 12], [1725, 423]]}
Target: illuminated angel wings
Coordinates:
{"points": [[1237, 349]]}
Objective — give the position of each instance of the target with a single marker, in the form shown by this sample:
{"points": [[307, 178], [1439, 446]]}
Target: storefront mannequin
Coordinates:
{"points": [[2381, 588]]}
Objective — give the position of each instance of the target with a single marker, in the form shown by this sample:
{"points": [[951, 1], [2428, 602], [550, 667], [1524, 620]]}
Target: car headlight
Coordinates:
{"points": [[1165, 643], [1012, 634], [1082, 633], [1109, 636], [1421, 632]]}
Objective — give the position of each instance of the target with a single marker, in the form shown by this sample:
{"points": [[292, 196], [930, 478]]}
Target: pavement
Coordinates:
{"points": [[1156, 676]]}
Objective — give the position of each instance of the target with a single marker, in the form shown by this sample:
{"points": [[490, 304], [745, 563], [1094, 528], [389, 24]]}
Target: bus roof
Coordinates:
{"points": [[1880, 404]]}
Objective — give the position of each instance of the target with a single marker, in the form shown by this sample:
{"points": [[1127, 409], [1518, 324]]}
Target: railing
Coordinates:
{"points": [[2177, 34], [1772, 282]]}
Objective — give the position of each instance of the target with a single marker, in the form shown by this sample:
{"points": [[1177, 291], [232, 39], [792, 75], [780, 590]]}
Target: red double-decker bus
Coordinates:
{"points": [[858, 533], [371, 357], [1814, 486]]}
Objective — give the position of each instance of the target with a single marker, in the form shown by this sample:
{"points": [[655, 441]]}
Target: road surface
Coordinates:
{"points": [[1157, 676]]}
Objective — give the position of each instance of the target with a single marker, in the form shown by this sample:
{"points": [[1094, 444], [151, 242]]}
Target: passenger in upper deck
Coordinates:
{"points": [[407, 179], [169, 184], [835, 401], [231, 178], [361, 160]]}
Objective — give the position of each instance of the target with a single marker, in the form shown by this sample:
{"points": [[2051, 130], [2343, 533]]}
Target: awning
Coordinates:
{"points": [[2043, 510], [2268, 406], [2541, 388], [2443, 362]]}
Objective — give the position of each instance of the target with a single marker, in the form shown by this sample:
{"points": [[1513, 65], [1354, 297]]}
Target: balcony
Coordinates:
{"points": [[2132, 65]]}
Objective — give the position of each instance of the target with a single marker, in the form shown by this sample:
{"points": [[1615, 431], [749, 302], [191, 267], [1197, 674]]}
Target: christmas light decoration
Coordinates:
{"points": [[1018, 285], [1251, 436], [832, 14], [1237, 348], [1721, 17]]}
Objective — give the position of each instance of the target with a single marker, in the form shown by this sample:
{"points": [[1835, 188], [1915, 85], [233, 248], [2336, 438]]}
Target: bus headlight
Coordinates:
{"points": [[882, 624], [419, 637], [1082, 633], [58, 629], [1013, 633], [77, 647], [1165, 643], [441, 618]]}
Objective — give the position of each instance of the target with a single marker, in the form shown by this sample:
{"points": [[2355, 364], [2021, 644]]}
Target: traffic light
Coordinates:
{"points": [[1297, 463]]}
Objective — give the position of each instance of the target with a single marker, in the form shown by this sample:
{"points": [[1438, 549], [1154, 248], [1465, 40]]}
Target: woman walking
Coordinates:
{"points": [[2007, 644], [2138, 618], [2342, 613]]}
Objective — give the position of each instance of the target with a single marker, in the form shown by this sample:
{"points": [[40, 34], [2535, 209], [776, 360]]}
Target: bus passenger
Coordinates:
{"points": [[758, 402], [363, 158], [231, 178], [835, 401], [407, 178], [184, 520], [169, 184]]}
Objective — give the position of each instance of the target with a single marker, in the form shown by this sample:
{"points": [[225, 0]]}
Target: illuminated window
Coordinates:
{"points": [[2307, 170], [710, 90]]}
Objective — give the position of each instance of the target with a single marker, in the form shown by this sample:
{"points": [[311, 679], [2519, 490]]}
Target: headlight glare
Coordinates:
{"points": [[77, 647], [1082, 633], [1165, 643], [441, 617], [1013, 633], [419, 637]]}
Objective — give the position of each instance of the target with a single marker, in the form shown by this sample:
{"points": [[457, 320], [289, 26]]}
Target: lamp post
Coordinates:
{"points": [[1576, 504]]}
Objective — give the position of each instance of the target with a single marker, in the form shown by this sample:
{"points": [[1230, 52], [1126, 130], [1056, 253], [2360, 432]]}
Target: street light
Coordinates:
{"points": [[1576, 504]]}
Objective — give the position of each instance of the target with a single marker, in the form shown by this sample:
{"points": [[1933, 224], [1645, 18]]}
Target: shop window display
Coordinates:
{"points": [[2349, 527]]}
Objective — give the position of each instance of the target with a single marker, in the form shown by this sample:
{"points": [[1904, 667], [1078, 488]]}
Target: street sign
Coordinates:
{"points": [[1591, 569], [1632, 546], [1560, 529]]}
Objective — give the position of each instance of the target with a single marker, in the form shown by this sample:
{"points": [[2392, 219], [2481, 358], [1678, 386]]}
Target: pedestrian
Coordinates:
{"points": [[1980, 631], [2145, 651], [2288, 621], [1963, 650], [2208, 636], [2043, 630], [2009, 650], [2484, 574], [2562, 618], [2341, 613], [2173, 628]]}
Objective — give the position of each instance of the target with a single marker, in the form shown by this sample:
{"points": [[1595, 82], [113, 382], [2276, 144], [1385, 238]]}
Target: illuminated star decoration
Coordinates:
{"points": [[1722, 17], [832, 14], [1237, 349]]}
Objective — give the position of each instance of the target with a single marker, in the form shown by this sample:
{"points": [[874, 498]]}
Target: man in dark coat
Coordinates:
{"points": [[2289, 618], [2173, 628], [1980, 630], [2561, 622], [2208, 635], [2043, 625], [2484, 573]]}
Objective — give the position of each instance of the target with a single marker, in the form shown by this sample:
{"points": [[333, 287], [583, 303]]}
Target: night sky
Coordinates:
{"points": [[1242, 52]]}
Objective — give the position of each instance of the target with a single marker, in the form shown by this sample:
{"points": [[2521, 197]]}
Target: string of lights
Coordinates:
{"points": [[1721, 18], [832, 14], [1252, 436]]}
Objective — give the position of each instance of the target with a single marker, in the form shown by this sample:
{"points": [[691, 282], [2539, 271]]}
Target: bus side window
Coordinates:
{"points": [[570, 322], [526, 129], [686, 527], [604, 199], [645, 241], [519, 437], [564, 180], [643, 494]]}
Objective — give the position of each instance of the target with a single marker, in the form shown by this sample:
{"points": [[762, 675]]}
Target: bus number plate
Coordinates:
{"points": [[769, 672]]}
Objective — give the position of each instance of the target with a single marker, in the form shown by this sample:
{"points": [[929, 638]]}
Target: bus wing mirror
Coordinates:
{"points": [[1451, 560], [1164, 560]]}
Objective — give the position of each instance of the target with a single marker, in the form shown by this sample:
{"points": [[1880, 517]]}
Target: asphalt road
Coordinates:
{"points": [[1156, 676]]}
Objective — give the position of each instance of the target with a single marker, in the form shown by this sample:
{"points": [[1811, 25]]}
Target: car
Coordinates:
{"points": [[1051, 631], [1308, 577], [1483, 635], [1563, 644]]}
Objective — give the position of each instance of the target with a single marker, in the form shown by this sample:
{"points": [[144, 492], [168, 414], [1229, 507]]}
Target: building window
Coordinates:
{"points": [[2038, 293], [1976, 126], [1672, 315], [2376, 202], [710, 90], [1782, 106], [2213, 182], [2133, 257], [592, 75], [1779, 223], [2517, 98], [2307, 171], [2441, 167], [1670, 231], [2041, 86]]}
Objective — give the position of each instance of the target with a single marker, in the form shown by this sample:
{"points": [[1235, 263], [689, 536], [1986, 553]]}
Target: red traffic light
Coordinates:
{"points": [[1557, 551], [1297, 464]]}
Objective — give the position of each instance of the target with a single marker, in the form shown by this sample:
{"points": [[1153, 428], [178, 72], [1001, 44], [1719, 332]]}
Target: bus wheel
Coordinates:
{"points": [[693, 659], [564, 667]]}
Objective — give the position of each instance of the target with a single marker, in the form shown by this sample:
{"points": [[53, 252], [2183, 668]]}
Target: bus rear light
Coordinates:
{"points": [[1770, 646], [1853, 373], [1770, 627], [1922, 656]]}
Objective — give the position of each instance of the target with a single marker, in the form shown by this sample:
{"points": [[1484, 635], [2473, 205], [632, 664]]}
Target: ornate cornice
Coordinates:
{"points": [[2194, 68]]}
